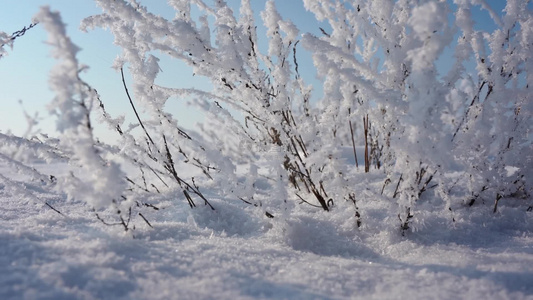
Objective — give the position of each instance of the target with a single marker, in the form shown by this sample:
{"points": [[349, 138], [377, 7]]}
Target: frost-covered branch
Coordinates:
{"points": [[103, 181]]}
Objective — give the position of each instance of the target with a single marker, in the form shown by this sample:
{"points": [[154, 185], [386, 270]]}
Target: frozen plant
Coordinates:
{"points": [[493, 137], [378, 64], [259, 98], [382, 57], [451, 137], [103, 183]]}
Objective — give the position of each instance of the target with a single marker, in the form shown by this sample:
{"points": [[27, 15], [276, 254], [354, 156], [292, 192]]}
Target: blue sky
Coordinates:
{"points": [[24, 72]]}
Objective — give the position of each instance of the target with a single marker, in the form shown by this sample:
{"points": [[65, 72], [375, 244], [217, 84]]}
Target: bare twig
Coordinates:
{"points": [[387, 181], [367, 159], [133, 107], [351, 196], [18, 34], [353, 146], [304, 201], [51, 207], [185, 186], [498, 197], [465, 117], [145, 220], [397, 186]]}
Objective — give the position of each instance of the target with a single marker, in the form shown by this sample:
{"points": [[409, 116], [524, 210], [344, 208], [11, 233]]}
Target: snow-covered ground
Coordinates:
{"points": [[236, 252], [465, 234]]}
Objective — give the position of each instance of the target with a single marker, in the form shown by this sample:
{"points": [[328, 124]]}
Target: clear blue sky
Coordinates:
{"points": [[24, 72]]}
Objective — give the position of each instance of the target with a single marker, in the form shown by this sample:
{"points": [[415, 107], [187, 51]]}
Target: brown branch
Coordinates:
{"points": [[367, 159], [185, 187], [353, 145], [146, 220], [397, 186], [133, 106], [476, 97], [57, 211], [304, 201]]}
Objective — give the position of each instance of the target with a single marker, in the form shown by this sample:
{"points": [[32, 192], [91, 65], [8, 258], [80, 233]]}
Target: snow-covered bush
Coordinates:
{"points": [[18, 153], [496, 121], [259, 98], [380, 60], [459, 134]]}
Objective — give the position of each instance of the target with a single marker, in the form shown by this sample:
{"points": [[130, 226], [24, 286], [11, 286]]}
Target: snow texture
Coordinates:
{"points": [[234, 253], [266, 201], [237, 253]]}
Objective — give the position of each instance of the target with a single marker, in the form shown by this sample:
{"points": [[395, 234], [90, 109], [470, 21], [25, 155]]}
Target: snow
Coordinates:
{"points": [[236, 252], [442, 211]]}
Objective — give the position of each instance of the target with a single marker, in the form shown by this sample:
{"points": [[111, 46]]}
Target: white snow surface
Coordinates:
{"points": [[235, 252]]}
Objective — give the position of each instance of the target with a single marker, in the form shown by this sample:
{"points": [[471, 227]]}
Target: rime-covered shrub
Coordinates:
{"points": [[380, 61], [461, 134]]}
